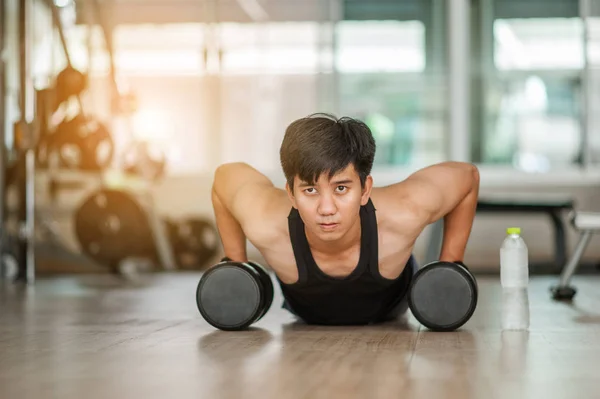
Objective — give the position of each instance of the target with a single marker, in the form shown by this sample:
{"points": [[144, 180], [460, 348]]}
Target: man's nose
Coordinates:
{"points": [[327, 205]]}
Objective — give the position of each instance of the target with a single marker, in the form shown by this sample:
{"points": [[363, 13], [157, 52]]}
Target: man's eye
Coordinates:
{"points": [[341, 188], [308, 190]]}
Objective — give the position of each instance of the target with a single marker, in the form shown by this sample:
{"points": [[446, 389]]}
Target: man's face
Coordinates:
{"points": [[329, 208]]}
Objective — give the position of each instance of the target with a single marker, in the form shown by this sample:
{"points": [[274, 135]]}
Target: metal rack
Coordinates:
{"points": [[21, 243]]}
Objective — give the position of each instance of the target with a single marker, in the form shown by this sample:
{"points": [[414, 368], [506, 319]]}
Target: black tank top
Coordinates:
{"points": [[359, 298]]}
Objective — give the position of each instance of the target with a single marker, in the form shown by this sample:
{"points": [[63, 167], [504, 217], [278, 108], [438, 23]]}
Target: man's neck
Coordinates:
{"points": [[346, 243]]}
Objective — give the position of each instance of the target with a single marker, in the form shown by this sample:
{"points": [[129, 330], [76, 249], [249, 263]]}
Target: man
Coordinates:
{"points": [[341, 248]]}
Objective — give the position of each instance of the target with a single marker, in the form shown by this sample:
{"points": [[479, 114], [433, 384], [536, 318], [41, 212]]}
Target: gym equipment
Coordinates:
{"points": [[42, 151], [82, 143], [267, 284], [66, 139], [587, 224], [45, 107], [11, 173], [111, 226], [69, 83], [23, 145], [233, 295], [443, 295], [144, 160], [194, 242], [553, 207], [97, 148]]}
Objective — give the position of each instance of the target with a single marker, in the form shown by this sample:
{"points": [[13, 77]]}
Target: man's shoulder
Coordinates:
{"points": [[266, 212], [396, 210], [388, 198]]}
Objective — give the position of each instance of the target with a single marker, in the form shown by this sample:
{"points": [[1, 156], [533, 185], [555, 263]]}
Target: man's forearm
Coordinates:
{"points": [[231, 232], [458, 224]]}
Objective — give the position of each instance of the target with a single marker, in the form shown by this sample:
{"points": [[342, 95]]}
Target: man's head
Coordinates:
{"points": [[327, 164]]}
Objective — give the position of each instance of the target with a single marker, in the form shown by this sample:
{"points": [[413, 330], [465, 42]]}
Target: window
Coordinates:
{"points": [[274, 48], [538, 44], [593, 87], [384, 81], [380, 46], [173, 49], [531, 94]]}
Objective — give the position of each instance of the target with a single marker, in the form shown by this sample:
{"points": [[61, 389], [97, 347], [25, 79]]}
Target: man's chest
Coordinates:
{"points": [[393, 251]]}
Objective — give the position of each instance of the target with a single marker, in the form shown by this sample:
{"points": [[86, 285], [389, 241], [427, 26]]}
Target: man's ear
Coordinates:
{"points": [[366, 193], [290, 195]]}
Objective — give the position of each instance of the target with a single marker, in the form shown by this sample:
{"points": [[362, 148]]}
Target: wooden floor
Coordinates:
{"points": [[88, 337]]}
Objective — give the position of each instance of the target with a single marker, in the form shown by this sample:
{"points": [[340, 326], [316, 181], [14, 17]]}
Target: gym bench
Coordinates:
{"points": [[587, 224], [553, 206]]}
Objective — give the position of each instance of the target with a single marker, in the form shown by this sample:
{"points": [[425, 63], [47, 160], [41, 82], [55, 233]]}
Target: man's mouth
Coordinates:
{"points": [[327, 225]]}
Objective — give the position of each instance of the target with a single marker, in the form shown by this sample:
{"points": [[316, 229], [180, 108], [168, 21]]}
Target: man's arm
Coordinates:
{"points": [[240, 194], [447, 190]]}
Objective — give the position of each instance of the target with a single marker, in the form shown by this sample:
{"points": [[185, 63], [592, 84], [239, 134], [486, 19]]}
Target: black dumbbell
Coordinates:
{"points": [[443, 295], [267, 285], [234, 295]]}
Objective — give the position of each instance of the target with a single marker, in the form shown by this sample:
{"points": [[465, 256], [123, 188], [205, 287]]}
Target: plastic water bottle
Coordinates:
{"points": [[514, 263], [514, 278]]}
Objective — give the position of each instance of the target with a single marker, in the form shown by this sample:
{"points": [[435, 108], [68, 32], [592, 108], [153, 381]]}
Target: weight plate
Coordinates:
{"points": [[83, 143], [110, 226], [66, 140], [97, 148], [443, 296], [195, 242], [70, 130]]}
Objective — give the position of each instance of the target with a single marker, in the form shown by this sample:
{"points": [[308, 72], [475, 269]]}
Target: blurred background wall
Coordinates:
{"points": [[511, 85]]}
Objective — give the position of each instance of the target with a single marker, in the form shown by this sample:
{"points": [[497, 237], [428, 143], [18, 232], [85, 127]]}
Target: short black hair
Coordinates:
{"points": [[321, 143]]}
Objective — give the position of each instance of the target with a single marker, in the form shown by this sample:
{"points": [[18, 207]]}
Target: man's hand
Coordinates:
{"points": [[447, 190]]}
